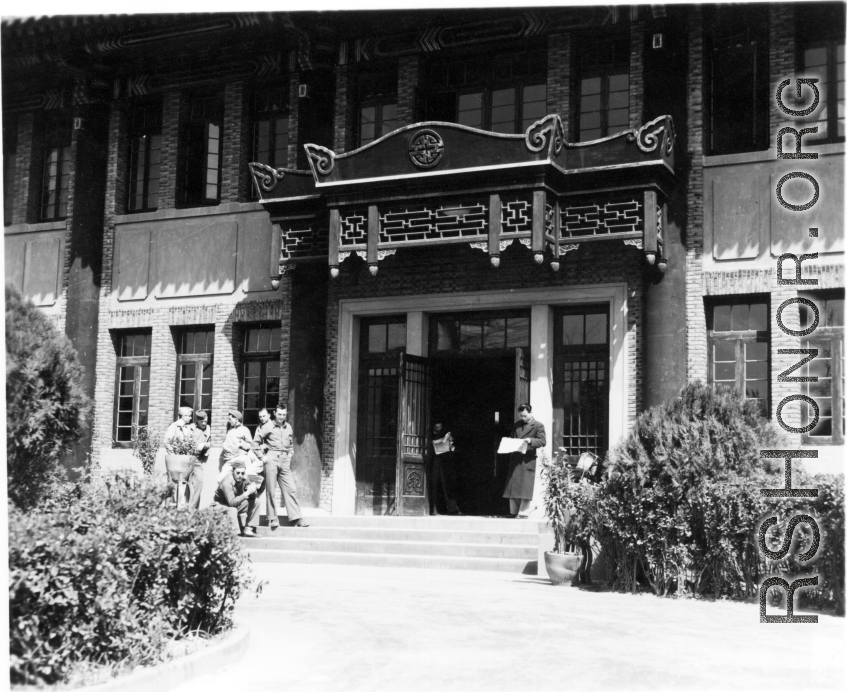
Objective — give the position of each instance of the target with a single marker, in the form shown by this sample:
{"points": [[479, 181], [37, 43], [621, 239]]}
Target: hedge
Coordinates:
{"points": [[112, 574]]}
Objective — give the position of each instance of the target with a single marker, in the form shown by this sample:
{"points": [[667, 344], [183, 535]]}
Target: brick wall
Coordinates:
{"points": [[458, 268], [293, 119], [694, 312], [559, 80], [781, 63], [25, 208], [173, 108]]}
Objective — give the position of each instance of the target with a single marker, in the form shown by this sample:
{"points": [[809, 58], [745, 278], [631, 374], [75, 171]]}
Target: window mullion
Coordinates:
{"points": [[739, 366], [136, 397], [836, 389]]}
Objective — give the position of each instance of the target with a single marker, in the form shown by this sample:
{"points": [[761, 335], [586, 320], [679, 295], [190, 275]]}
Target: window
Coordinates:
{"points": [[504, 93], [270, 127], [828, 367], [200, 150], [738, 89], [820, 52], [145, 157], [739, 347], [603, 88], [385, 335], [469, 332], [194, 370], [377, 110], [56, 169], [132, 385], [259, 372], [581, 379]]}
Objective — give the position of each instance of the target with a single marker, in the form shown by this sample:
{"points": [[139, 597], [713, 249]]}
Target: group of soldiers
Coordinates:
{"points": [[247, 463]]}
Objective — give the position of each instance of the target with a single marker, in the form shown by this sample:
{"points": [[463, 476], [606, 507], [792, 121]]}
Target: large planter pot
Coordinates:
{"points": [[562, 568], [178, 466]]}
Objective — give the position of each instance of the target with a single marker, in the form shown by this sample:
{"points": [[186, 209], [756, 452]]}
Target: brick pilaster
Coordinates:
{"points": [[27, 173], [781, 63], [235, 178], [636, 74], [293, 119], [559, 80], [344, 119], [408, 71], [173, 107], [694, 309]]}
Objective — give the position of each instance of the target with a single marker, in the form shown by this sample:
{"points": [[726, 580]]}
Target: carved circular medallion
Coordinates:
{"points": [[426, 149]]}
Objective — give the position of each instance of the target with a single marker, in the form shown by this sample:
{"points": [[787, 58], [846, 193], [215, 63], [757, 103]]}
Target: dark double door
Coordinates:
{"points": [[399, 398]]}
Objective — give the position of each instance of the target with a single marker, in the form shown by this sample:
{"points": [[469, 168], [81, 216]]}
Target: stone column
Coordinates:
{"points": [[541, 388]]}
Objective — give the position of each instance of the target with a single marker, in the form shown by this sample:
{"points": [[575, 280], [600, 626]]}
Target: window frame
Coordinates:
{"points": [[740, 337], [835, 336], [57, 137], [378, 103], [604, 72], [263, 358], [831, 46], [196, 359], [136, 362], [266, 114], [193, 167], [147, 132]]}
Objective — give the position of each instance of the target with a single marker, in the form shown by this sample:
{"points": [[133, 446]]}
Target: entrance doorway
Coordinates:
{"points": [[474, 399]]}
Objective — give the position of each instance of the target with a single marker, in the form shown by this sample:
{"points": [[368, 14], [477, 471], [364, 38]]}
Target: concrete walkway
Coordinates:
{"points": [[327, 627]]}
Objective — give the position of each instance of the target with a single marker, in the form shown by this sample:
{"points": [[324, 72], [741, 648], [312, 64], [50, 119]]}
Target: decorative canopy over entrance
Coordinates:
{"points": [[437, 183]]}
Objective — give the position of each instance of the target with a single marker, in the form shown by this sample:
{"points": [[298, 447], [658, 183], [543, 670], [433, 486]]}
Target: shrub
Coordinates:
{"points": [[112, 575], [680, 504], [45, 401]]}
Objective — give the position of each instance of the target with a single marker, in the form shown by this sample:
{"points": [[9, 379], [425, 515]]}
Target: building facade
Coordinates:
{"points": [[437, 215]]}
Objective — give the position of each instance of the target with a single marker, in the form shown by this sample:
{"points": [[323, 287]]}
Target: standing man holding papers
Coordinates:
{"points": [[521, 481]]}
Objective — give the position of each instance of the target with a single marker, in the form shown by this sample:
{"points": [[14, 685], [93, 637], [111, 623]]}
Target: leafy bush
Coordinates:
{"points": [[679, 507], [183, 446], [45, 401], [112, 574]]}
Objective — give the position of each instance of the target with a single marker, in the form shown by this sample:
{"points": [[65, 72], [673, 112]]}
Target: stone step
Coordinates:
{"points": [[301, 542], [366, 533], [441, 523], [518, 566]]}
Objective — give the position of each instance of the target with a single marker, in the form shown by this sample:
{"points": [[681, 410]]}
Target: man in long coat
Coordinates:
{"points": [[521, 481]]}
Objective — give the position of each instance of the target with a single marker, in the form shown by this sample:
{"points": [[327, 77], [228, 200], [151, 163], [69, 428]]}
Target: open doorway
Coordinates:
{"points": [[474, 399]]}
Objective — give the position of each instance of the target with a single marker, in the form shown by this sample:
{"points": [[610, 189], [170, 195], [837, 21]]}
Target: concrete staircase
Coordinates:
{"points": [[473, 543]]}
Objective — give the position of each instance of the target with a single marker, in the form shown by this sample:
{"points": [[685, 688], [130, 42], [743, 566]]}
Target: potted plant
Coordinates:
{"points": [[562, 564], [178, 464], [145, 445]]}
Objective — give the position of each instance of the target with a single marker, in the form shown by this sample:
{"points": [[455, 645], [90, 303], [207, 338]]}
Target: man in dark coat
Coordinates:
{"points": [[522, 465]]}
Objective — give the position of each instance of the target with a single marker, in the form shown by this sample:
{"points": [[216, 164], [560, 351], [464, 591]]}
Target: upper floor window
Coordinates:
{"points": [[739, 346], [270, 127], [145, 157], [505, 92], [820, 52], [377, 104], [200, 150], [738, 90], [132, 385], [828, 367], [196, 350], [56, 169], [603, 88]]}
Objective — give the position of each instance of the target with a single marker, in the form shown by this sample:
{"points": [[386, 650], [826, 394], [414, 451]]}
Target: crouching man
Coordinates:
{"points": [[236, 492]]}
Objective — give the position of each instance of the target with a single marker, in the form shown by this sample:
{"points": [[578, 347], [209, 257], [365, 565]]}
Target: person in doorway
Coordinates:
{"points": [[236, 492], [521, 481], [444, 476], [274, 444]]}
